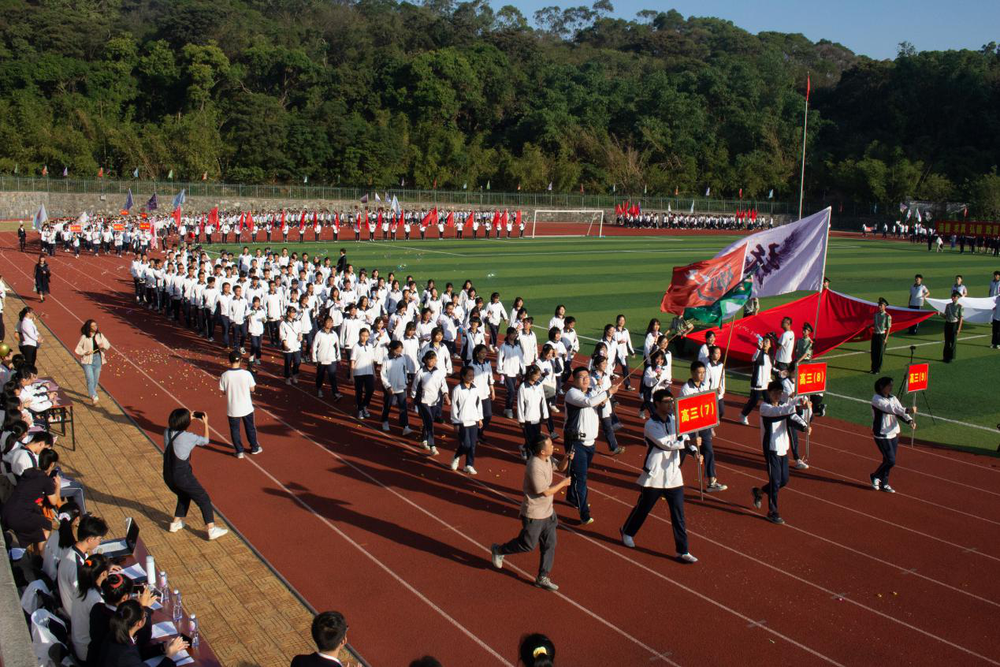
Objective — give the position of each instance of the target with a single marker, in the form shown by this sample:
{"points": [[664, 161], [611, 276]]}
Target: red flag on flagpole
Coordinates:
{"points": [[450, 222], [517, 219], [248, 221], [336, 222], [741, 193], [470, 219], [435, 212], [808, 87], [703, 283], [100, 172], [203, 224], [428, 219], [496, 218], [213, 217], [177, 216], [503, 218]]}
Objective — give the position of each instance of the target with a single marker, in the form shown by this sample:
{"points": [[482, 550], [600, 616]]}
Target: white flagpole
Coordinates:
{"points": [[805, 125]]}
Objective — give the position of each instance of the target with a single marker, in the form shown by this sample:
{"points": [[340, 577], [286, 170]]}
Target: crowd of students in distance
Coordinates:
{"points": [[747, 220]]}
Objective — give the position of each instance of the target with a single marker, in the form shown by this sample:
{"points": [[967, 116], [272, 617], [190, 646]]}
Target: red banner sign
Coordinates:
{"points": [[697, 412], [917, 377], [144, 226], [974, 228], [810, 378], [118, 227], [76, 228]]}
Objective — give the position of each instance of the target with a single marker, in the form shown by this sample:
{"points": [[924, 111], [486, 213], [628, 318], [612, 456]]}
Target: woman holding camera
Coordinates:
{"points": [[178, 443]]}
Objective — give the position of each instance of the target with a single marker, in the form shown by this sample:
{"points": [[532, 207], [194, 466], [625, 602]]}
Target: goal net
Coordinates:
{"points": [[567, 222]]}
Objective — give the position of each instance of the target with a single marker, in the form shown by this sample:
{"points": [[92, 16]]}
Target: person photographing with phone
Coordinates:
{"points": [[178, 474]]}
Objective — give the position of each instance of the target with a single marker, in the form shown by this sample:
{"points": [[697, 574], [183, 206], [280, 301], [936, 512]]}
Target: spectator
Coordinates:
{"points": [[178, 444], [537, 650], [120, 648], [92, 348], [329, 631], [116, 590], [238, 385], [61, 540], [27, 335], [37, 491], [43, 275], [89, 534], [92, 574]]}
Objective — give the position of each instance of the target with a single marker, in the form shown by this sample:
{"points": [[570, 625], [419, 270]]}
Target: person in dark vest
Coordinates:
{"points": [[177, 473]]}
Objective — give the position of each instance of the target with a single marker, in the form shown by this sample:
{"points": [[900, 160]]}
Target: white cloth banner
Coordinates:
{"points": [[977, 311], [787, 258]]}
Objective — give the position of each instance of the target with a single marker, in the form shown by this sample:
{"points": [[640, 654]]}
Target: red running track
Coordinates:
{"points": [[362, 521]]}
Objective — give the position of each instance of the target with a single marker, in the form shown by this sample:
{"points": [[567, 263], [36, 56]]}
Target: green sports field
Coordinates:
{"points": [[596, 279]]}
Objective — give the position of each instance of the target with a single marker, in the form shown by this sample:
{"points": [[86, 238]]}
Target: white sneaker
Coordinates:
{"points": [[367, 414], [295, 380], [423, 443], [509, 414], [434, 450], [216, 532], [801, 465], [176, 526], [470, 470], [361, 414], [407, 431], [627, 539], [454, 463], [288, 381], [642, 414], [338, 396], [239, 455], [687, 558], [385, 426], [319, 393], [745, 421]]}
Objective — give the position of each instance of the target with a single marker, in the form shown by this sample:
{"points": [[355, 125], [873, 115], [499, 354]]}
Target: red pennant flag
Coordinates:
{"points": [[450, 222], [364, 220], [336, 222], [808, 87], [45, 170], [203, 222], [177, 216], [100, 172], [753, 214], [394, 222], [517, 220], [248, 221], [213, 217], [470, 219], [428, 219], [315, 218], [618, 209], [503, 218], [379, 221], [703, 283], [496, 218], [581, 188], [243, 217], [741, 193]]}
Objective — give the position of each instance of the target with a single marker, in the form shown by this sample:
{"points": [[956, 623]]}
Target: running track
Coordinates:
{"points": [[364, 522]]}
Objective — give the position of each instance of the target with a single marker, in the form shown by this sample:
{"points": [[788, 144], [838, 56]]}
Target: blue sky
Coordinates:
{"points": [[869, 27]]}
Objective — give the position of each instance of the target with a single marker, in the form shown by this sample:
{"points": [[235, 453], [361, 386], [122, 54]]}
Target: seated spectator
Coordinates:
{"points": [[24, 454], [89, 534], [24, 511], [116, 590], [537, 650], [120, 648], [60, 540], [92, 574], [329, 631]]}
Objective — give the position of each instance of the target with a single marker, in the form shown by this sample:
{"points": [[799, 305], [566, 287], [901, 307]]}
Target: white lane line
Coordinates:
{"points": [[400, 496], [423, 598]]}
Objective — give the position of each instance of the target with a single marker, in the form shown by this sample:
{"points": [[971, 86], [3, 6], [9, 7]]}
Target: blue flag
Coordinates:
{"points": [[151, 204], [179, 200], [128, 200]]}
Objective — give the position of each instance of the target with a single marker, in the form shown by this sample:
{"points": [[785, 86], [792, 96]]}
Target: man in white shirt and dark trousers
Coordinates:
{"points": [[661, 475], [326, 353], [467, 416], [918, 292], [538, 519], [238, 384], [786, 346], [886, 413], [777, 418], [291, 345], [581, 430]]}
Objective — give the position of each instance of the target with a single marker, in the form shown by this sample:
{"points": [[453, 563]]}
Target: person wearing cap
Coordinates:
{"points": [[777, 418], [661, 474], [881, 326], [953, 315]]}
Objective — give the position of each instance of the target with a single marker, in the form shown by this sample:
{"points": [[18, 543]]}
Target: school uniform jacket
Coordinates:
{"points": [[775, 422], [581, 415], [761, 374], [394, 374], [531, 405], [466, 405], [886, 413], [661, 468]]}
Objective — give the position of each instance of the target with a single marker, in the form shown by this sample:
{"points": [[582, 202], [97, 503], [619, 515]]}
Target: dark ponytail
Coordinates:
{"points": [[537, 650], [128, 614]]}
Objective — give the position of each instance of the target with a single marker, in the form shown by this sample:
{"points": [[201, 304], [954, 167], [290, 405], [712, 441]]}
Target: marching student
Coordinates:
{"points": [[777, 418], [918, 292], [715, 373], [495, 313], [291, 345], [705, 351], [255, 327], [625, 350], [238, 311], [467, 416], [531, 407], [703, 439], [600, 380], [995, 322], [326, 354], [571, 342], [395, 378], [551, 366], [472, 337], [510, 366], [881, 327], [429, 386], [760, 377], [363, 359], [788, 393], [483, 380], [538, 518], [225, 302], [657, 375], [238, 385], [652, 335], [661, 475], [581, 431], [954, 314], [886, 413], [528, 341], [786, 346]]}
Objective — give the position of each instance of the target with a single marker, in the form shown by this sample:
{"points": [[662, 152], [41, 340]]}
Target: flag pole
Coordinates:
{"points": [[805, 125]]}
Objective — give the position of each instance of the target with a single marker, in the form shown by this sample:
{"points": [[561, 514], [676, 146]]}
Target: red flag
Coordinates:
{"points": [[808, 87], [282, 217], [618, 209], [581, 188], [45, 170], [470, 219], [100, 172], [496, 218], [213, 217], [394, 222], [517, 220], [435, 184], [177, 216], [243, 217], [379, 221], [450, 222], [753, 214], [635, 209], [204, 176], [336, 222], [203, 222], [248, 221], [741, 193], [503, 218], [428, 219], [703, 283], [676, 190]]}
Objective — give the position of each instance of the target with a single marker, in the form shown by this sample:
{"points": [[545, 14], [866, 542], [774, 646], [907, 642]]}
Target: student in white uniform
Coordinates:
{"points": [[510, 366], [483, 380], [777, 418], [238, 385], [760, 378], [395, 377], [786, 346], [624, 340], [658, 375], [291, 345], [363, 358], [326, 354], [581, 431], [467, 416], [429, 387], [532, 408], [495, 314], [887, 412]]}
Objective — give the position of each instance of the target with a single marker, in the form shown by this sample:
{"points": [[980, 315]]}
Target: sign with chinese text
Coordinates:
{"points": [[917, 377], [810, 378], [697, 412]]}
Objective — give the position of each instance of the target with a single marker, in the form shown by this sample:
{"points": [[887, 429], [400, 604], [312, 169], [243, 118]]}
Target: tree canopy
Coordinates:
{"points": [[377, 92]]}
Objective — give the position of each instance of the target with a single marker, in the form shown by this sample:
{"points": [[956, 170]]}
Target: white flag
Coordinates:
{"points": [[787, 258], [708, 190], [395, 205], [377, 198], [40, 218], [692, 206], [919, 219], [668, 207]]}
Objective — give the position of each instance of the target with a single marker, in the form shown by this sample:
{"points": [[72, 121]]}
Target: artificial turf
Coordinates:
{"points": [[598, 278]]}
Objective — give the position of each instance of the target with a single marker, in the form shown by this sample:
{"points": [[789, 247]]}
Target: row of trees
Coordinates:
{"points": [[381, 92]]}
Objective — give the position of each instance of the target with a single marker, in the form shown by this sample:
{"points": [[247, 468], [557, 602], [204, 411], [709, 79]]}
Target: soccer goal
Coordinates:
{"points": [[567, 222]]}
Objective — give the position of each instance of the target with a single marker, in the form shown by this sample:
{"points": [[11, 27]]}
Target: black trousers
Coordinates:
{"points": [[327, 372], [364, 387], [29, 352], [249, 426], [996, 333], [647, 501], [187, 489], [292, 362], [950, 340], [399, 400], [535, 532], [887, 447], [756, 395], [878, 350], [777, 478]]}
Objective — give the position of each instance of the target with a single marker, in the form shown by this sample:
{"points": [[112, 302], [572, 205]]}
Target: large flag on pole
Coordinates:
{"points": [[128, 200], [151, 204], [180, 198], [40, 218], [787, 258], [703, 283], [724, 308]]}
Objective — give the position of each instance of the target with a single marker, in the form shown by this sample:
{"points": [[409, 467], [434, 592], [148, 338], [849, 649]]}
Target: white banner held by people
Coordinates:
{"points": [[974, 310], [787, 258]]}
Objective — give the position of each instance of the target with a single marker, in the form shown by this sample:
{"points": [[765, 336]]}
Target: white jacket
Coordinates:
{"points": [[326, 347], [466, 405], [394, 374], [531, 405]]}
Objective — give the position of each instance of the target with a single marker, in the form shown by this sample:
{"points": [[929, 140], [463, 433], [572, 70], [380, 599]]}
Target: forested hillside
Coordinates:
{"points": [[382, 92]]}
